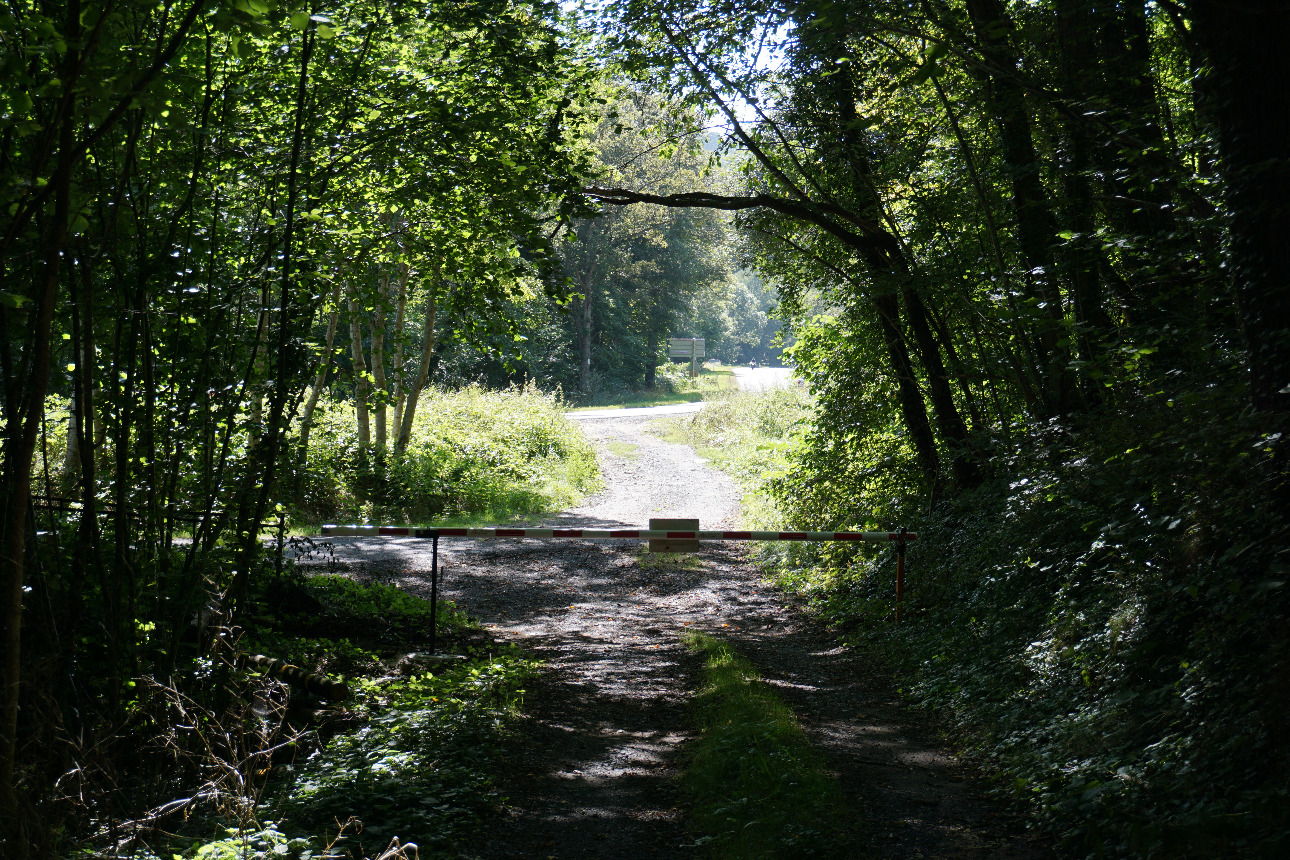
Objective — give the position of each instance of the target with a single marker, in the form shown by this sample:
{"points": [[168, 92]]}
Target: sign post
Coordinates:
{"points": [[691, 348]]}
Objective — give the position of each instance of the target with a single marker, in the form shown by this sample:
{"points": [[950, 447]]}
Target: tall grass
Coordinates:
{"points": [[757, 788], [474, 453], [750, 436]]}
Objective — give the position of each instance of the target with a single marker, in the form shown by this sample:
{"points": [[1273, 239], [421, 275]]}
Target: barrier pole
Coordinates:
{"points": [[900, 538]]}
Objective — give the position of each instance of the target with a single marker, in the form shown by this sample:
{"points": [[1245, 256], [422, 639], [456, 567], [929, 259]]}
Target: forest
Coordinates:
{"points": [[267, 263]]}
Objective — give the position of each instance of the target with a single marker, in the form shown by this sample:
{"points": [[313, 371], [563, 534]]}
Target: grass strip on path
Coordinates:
{"points": [[756, 786]]}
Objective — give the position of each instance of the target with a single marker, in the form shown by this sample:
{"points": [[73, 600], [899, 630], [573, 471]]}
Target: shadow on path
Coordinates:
{"points": [[593, 772]]}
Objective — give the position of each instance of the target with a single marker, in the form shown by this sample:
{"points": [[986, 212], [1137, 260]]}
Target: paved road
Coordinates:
{"points": [[634, 411], [762, 378], [749, 379]]}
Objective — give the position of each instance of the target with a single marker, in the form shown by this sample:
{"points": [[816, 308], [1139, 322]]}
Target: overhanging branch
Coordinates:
{"points": [[872, 239]]}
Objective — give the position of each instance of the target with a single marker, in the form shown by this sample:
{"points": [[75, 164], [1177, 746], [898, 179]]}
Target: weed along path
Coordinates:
{"points": [[593, 771]]}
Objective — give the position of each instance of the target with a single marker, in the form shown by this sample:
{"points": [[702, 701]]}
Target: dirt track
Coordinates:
{"points": [[593, 776]]}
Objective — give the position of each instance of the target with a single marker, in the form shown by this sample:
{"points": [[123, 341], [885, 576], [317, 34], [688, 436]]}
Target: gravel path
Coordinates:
{"points": [[594, 773]]}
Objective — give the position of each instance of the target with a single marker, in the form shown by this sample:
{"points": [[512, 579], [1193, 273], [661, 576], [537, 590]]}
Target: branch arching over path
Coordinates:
{"points": [[869, 240]]}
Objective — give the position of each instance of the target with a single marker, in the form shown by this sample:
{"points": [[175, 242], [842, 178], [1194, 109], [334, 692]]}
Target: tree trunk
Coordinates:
{"points": [[261, 467], [72, 451], [651, 360], [423, 374], [583, 326], [320, 378], [360, 369], [963, 466], [912, 408], [378, 359], [254, 388], [19, 447], [400, 389], [1082, 254], [1250, 96], [1036, 227]]}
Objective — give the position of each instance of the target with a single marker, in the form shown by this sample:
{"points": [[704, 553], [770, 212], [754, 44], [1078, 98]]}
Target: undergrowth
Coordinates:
{"points": [[1104, 622], [756, 786], [403, 768], [473, 452]]}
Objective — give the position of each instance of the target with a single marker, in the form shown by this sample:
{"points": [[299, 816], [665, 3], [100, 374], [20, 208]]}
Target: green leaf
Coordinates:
{"points": [[299, 20], [924, 73], [12, 300]]}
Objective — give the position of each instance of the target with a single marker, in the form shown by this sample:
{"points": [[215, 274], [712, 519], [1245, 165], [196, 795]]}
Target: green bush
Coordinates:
{"points": [[411, 757], [473, 452], [745, 434], [420, 768], [1106, 625]]}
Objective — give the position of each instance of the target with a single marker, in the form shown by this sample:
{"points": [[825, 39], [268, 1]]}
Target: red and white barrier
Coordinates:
{"points": [[609, 534]]}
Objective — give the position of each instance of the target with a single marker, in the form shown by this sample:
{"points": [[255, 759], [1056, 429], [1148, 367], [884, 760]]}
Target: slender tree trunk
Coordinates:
{"points": [[912, 409], [1082, 254], [969, 161], [400, 313], [949, 422], [320, 378], [423, 374], [378, 359], [1141, 187], [1036, 226], [72, 450], [19, 446], [254, 390], [582, 325], [360, 369], [651, 359], [261, 469], [840, 90]]}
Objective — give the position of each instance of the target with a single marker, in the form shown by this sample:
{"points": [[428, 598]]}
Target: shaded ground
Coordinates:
{"points": [[593, 775]]}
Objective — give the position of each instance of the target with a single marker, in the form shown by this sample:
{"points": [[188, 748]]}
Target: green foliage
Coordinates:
{"points": [[640, 271], [736, 318], [999, 231], [473, 453], [1107, 629], [420, 767], [183, 188], [756, 786], [267, 844], [346, 622], [749, 435], [409, 757]]}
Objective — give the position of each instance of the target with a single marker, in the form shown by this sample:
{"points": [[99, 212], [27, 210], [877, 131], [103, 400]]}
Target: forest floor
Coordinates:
{"points": [[593, 770]]}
